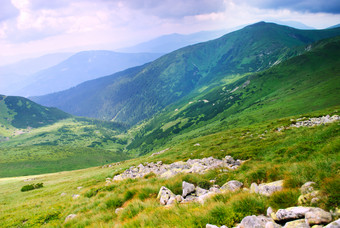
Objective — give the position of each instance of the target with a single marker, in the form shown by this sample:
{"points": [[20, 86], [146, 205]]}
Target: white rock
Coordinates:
{"points": [[187, 188], [335, 224], [232, 185], [70, 217]]}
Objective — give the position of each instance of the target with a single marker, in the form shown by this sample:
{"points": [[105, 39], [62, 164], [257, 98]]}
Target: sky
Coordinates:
{"points": [[29, 28]]}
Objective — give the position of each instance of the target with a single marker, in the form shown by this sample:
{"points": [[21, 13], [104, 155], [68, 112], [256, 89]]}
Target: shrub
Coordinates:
{"points": [[147, 193], [114, 203], [132, 210], [204, 184], [30, 187], [249, 204], [284, 199], [129, 194], [92, 192], [223, 215], [331, 187]]}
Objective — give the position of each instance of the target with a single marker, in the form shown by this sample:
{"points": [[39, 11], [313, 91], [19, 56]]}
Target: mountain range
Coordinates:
{"points": [[136, 94]]}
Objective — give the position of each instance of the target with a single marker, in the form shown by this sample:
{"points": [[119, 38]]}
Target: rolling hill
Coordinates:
{"points": [[137, 94], [35, 139], [22, 113], [78, 68]]}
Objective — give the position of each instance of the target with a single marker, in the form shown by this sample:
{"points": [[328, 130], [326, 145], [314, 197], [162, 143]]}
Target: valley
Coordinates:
{"points": [[256, 107]]}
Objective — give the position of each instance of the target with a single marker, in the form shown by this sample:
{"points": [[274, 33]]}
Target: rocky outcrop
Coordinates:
{"points": [[233, 186], [309, 195], [165, 196], [312, 215], [187, 188], [335, 224], [316, 121], [254, 221], [266, 188], [169, 170]]}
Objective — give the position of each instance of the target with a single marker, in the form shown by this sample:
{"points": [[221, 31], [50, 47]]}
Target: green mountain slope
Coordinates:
{"points": [[301, 84], [20, 112], [139, 93], [35, 139]]}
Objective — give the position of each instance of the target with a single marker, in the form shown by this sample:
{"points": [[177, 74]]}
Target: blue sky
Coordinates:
{"points": [[36, 27]]}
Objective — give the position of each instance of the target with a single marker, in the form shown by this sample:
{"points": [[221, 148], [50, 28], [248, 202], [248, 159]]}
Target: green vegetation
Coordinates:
{"points": [[66, 145], [138, 93], [30, 187], [240, 117], [296, 155]]}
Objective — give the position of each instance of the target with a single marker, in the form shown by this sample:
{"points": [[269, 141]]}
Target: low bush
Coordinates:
{"points": [[284, 199], [30, 187], [114, 203]]}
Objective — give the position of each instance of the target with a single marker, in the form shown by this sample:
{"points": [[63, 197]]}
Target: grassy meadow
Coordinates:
{"points": [[296, 155]]}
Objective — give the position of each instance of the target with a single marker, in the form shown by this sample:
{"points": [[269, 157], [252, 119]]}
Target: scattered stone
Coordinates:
{"points": [[307, 187], [272, 225], [201, 199], [197, 144], [63, 194], [119, 209], [211, 226], [232, 185], [70, 217], [254, 221], [300, 223], [187, 188], [318, 216], [269, 211], [200, 191], [179, 198], [75, 196], [309, 198], [335, 224], [164, 195], [168, 170], [160, 152], [30, 179], [79, 187], [316, 121], [313, 215], [267, 188]]}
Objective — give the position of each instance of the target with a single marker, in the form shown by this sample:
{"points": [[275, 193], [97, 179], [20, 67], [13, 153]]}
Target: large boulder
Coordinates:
{"points": [[232, 185], [318, 216], [300, 223], [312, 215], [165, 195], [269, 188], [254, 221], [290, 213], [335, 224], [187, 188]]}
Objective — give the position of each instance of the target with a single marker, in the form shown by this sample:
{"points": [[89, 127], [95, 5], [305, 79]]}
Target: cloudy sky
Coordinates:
{"points": [[36, 27]]}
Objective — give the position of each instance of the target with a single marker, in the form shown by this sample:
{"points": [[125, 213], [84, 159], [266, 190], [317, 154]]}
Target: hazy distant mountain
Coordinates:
{"points": [[15, 75], [171, 42], [138, 93], [81, 67], [334, 26], [293, 24]]}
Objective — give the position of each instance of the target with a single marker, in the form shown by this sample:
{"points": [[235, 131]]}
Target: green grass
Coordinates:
{"points": [[66, 145], [296, 155]]}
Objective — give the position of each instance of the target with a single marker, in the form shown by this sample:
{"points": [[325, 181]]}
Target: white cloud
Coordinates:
{"points": [[40, 26]]}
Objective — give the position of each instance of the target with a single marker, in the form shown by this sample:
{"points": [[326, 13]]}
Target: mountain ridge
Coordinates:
{"points": [[175, 75]]}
